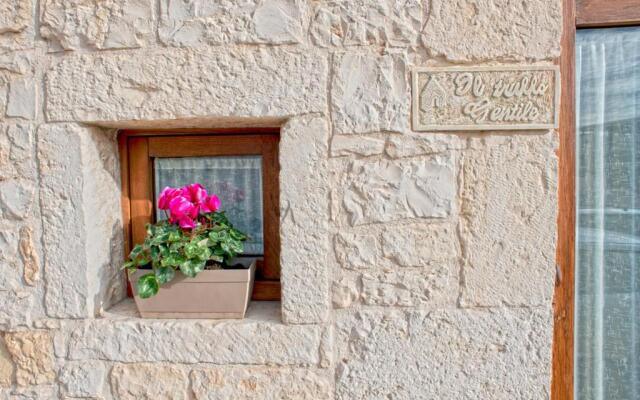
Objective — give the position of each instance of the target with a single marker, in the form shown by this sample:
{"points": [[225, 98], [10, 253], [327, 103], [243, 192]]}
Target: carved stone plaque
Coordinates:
{"points": [[485, 98]]}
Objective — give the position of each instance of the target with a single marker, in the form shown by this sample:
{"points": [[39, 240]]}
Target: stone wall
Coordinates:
{"points": [[414, 265]]}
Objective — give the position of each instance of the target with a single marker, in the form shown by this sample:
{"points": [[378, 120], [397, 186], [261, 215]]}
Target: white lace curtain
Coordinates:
{"points": [[608, 202], [236, 180]]}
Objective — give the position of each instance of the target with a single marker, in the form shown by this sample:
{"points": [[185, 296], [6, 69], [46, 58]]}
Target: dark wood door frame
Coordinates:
{"points": [[576, 14]]}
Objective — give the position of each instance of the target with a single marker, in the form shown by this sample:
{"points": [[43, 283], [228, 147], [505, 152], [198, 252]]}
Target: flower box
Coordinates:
{"points": [[221, 293]]}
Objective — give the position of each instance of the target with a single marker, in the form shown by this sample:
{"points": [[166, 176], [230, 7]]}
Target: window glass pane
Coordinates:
{"points": [[607, 347], [236, 180]]}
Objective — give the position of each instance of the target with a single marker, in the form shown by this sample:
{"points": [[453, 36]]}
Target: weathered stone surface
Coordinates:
{"points": [[399, 146], [357, 251], [30, 258], [264, 383], [261, 338], [369, 93], [22, 99], [420, 245], [78, 24], [81, 272], [437, 287], [240, 82], [304, 219], [202, 22], [149, 382], [17, 152], [509, 201], [359, 145], [83, 379], [384, 191], [48, 392], [346, 291], [6, 365], [16, 24], [17, 198], [32, 354], [361, 23], [494, 29], [16, 305], [448, 354]]}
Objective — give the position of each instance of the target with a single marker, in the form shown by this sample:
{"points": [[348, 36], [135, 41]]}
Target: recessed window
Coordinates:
{"points": [[241, 168]]}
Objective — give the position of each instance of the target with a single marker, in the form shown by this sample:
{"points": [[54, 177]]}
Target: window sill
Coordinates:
{"points": [[260, 338]]}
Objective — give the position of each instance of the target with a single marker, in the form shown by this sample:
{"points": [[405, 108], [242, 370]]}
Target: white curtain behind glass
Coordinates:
{"points": [[236, 180], [607, 347]]}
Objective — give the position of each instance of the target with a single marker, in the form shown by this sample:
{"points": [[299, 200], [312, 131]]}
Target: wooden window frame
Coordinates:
{"points": [[576, 14], [137, 150]]}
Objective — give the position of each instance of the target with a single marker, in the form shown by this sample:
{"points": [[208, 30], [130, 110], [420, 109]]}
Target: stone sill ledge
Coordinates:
{"points": [[261, 338]]}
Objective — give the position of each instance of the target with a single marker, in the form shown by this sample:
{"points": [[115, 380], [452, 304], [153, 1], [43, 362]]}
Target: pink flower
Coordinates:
{"points": [[167, 194], [187, 223], [195, 192], [211, 204], [180, 208]]}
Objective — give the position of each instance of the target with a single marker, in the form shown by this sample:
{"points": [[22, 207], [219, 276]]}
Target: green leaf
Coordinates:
{"points": [[129, 265], [191, 267], [165, 274], [135, 252], [192, 250], [147, 285]]}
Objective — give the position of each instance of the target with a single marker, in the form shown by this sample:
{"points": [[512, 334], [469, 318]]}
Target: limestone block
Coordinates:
{"points": [[420, 245], [16, 24], [16, 62], [17, 198], [263, 383], [461, 30], [384, 191], [32, 354], [80, 203], [83, 379], [238, 82], [509, 202], [16, 305], [304, 215], [357, 251], [399, 146], [6, 365], [17, 153], [342, 145], [48, 392], [369, 93], [203, 22], [261, 338], [29, 255], [149, 382], [446, 354], [346, 291], [78, 24], [437, 287], [362, 23], [22, 99]]}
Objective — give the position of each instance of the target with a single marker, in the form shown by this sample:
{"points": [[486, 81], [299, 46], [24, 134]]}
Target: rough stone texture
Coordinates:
{"points": [[304, 220], [361, 22], [32, 353], [83, 379], [462, 30], [260, 383], [238, 83], [203, 22], [448, 354], [357, 145], [149, 382], [399, 146], [510, 191], [384, 191], [260, 339], [78, 24], [357, 251], [16, 24], [420, 245], [6, 365], [22, 99], [369, 93], [30, 258], [81, 271]]}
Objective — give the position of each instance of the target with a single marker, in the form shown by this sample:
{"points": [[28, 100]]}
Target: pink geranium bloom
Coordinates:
{"points": [[180, 207], [167, 194], [211, 204], [195, 192]]}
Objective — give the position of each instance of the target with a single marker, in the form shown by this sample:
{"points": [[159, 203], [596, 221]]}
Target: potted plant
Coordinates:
{"points": [[184, 267]]}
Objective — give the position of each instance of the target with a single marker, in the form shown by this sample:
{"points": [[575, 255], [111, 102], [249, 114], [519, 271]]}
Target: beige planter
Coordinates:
{"points": [[223, 293]]}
